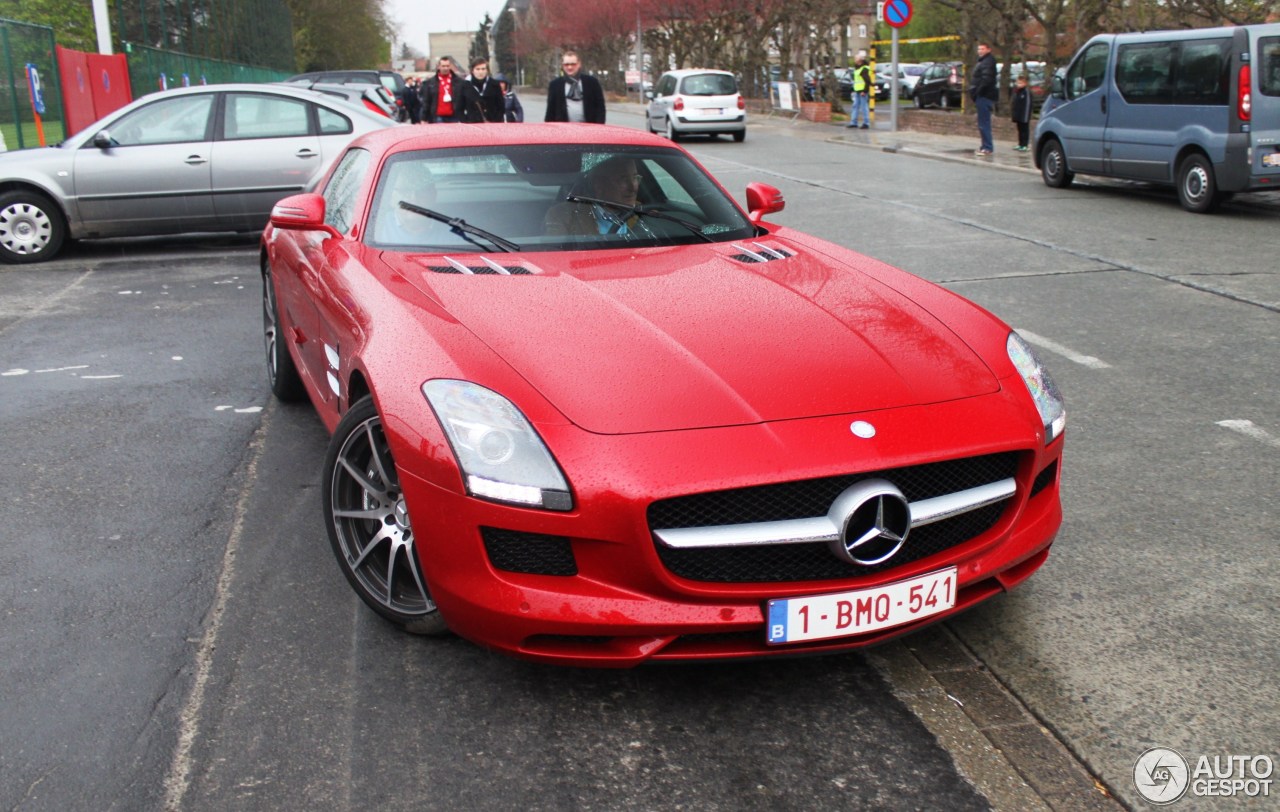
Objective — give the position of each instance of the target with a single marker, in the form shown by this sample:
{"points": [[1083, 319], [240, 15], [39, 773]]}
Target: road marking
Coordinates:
{"points": [[1247, 428], [1070, 354], [178, 780]]}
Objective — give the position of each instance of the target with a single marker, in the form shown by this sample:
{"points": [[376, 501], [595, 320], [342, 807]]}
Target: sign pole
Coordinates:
{"points": [[893, 85]]}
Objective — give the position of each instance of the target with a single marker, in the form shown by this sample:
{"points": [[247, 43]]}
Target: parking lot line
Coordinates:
{"points": [[1070, 354]]}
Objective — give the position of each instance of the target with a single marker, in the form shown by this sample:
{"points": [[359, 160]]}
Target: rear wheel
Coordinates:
{"points": [[740, 136], [31, 227], [1197, 187], [369, 525], [1053, 165], [672, 133], [942, 100]]}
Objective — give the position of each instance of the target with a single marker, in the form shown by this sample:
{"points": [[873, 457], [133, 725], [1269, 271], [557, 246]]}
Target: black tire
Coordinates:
{"points": [[282, 375], [672, 133], [1197, 186], [740, 136], [1053, 165], [919, 102], [369, 526], [32, 228], [943, 102]]}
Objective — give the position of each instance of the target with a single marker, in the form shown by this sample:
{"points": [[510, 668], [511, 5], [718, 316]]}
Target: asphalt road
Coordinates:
{"points": [[176, 634]]}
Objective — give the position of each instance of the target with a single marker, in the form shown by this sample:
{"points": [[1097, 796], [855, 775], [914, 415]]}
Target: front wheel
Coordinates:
{"points": [[31, 227], [1053, 166], [369, 525], [1197, 187], [943, 102], [919, 102], [283, 376]]}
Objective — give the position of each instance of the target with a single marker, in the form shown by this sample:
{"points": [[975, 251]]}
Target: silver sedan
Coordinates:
{"points": [[210, 158]]}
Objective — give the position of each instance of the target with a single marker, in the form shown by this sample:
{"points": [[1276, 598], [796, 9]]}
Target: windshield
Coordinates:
{"points": [[572, 197]]}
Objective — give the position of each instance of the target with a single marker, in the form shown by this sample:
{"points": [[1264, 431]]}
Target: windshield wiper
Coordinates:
{"points": [[461, 226], [642, 210]]}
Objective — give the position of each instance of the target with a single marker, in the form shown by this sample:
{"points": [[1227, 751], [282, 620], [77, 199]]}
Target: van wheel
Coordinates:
{"points": [[1197, 189], [1053, 166]]}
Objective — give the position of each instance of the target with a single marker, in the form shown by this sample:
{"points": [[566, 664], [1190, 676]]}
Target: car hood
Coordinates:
{"points": [[663, 339]]}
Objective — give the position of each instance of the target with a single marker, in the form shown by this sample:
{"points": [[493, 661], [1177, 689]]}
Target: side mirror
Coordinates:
{"points": [[1058, 91], [303, 212], [649, 94], [763, 199], [102, 139]]}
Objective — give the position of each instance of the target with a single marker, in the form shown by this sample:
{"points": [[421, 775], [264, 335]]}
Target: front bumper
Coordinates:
{"points": [[617, 604]]}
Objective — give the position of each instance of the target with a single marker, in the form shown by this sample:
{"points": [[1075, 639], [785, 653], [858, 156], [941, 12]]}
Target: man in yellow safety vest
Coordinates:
{"points": [[861, 92]]}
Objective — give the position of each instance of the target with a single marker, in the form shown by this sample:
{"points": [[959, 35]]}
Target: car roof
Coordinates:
{"points": [[695, 71]]}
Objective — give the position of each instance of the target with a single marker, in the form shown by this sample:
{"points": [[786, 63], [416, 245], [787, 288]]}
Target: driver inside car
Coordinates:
{"points": [[615, 180]]}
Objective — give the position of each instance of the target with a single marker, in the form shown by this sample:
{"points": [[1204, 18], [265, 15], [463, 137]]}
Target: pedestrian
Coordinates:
{"points": [[512, 109], [861, 92], [1021, 111], [413, 100], [575, 96], [488, 93], [444, 95], [985, 94]]}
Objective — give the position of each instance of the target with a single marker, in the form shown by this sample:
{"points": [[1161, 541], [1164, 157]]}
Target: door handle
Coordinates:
{"points": [[307, 153], [1104, 104], [196, 160]]}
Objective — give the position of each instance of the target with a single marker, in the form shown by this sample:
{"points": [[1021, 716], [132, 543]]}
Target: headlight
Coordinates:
{"points": [[502, 458], [1041, 386]]}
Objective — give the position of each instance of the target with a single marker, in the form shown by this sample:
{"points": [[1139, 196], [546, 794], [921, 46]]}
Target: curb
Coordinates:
{"points": [[994, 740]]}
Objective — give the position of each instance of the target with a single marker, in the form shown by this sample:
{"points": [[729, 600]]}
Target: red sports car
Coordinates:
{"points": [[587, 410]]}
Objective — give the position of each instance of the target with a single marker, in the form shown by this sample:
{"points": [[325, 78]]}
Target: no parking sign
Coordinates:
{"points": [[897, 13]]}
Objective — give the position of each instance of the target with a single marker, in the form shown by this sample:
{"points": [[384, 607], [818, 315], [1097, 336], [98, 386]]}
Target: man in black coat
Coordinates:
{"points": [[575, 96]]}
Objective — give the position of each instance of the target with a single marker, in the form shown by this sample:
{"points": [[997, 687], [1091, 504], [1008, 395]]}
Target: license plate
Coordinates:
{"points": [[819, 617], [1271, 159], [713, 111]]}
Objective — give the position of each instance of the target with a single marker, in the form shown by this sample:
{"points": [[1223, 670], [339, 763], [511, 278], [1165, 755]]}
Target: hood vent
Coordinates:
{"points": [[759, 253], [489, 267]]}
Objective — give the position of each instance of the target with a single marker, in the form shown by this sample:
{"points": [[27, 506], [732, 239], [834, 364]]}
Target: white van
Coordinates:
{"points": [[1198, 110]]}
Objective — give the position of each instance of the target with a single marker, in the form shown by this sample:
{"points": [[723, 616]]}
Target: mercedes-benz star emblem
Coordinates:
{"points": [[874, 519]]}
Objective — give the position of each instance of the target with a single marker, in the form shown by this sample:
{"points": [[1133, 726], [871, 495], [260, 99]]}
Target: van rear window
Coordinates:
{"points": [[1269, 66]]}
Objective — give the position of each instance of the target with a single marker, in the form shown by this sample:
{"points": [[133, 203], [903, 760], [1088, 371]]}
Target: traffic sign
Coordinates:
{"points": [[35, 89], [897, 13]]}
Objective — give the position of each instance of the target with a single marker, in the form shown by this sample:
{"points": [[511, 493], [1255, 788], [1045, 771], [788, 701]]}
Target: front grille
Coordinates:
{"points": [[808, 498], [529, 553]]}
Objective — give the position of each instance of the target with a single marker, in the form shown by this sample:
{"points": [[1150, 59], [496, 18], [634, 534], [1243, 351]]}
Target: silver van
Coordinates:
{"points": [[1198, 110]]}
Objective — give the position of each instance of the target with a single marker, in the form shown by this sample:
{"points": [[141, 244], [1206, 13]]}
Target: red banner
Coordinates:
{"points": [[93, 85]]}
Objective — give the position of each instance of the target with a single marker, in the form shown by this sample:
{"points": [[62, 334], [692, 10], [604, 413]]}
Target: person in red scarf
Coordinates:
{"points": [[444, 96]]}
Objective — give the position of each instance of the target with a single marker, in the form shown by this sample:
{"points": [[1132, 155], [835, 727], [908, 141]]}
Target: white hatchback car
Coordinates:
{"points": [[697, 102]]}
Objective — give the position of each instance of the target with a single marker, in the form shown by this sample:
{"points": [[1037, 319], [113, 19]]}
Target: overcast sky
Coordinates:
{"points": [[415, 19]]}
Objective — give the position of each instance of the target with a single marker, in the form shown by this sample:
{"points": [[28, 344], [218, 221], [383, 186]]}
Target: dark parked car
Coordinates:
{"points": [[942, 85]]}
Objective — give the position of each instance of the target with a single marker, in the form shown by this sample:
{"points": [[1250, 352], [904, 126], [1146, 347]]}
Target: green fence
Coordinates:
{"points": [[147, 65], [23, 44]]}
